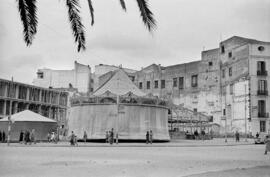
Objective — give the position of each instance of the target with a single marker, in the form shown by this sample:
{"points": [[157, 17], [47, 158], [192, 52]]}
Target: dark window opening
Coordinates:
{"points": [[231, 89], [261, 108], [174, 82], [224, 112], [156, 84], [222, 49], [194, 80], [162, 83], [140, 85], [210, 63], [230, 54], [230, 71], [181, 82], [148, 84], [261, 48], [262, 126], [40, 75]]}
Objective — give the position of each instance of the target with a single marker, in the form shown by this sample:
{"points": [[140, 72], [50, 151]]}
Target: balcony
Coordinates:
{"points": [[263, 114], [261, 73], [262, 92]]}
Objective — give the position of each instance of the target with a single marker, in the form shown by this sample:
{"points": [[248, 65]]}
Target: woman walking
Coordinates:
{"points": [[267, 144]]}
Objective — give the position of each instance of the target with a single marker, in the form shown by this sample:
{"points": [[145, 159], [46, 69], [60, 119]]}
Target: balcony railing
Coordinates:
{"points": [[263, 114], [262, 73], [262, 92]]}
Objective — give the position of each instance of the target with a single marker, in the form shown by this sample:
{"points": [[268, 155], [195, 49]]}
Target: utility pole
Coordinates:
{"points": [[10, 110], [225, 116], [245, 113]]}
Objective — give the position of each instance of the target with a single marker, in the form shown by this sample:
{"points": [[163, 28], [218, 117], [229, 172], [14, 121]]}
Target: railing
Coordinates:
{"points": [[262, 73], [263, 114], [262, 92]]}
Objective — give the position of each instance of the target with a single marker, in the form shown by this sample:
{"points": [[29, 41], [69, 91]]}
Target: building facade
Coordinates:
{"points": [[16, 97], [79, 78], [229, 84]]}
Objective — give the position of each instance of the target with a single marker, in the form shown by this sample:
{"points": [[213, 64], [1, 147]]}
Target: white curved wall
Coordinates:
{"points": [[133, 121]]}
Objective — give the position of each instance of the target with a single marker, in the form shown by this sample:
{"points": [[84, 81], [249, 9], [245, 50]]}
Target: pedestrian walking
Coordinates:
{"points": [[237, 136], [107, 137], [3, 137], [116, 138], [203, 134], [27, 137], [267, 144], [147, 137], [0, 136], [84, 136], [151, 136], [72, 139], [21, 136], [75, 141], [111, 137], [196, 134], [32, 137], [49, 137]]}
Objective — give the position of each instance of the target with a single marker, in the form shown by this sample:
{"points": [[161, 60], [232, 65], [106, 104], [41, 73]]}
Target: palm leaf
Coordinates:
{"points": [[91, 12], [123, 5], [76, 24], [27, 10], [146, 14]]}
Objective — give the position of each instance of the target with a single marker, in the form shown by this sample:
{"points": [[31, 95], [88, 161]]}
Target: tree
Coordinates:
{"points": [[28, 9]]}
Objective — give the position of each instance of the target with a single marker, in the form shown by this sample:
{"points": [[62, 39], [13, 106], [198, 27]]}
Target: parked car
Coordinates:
{"points": [[260, 139]]}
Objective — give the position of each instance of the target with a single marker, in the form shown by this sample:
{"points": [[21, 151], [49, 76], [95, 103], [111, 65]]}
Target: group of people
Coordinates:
{"points": [[149, 137], [27, 137], [2, 137], [198, 136], [52, 137], [110, 137]]}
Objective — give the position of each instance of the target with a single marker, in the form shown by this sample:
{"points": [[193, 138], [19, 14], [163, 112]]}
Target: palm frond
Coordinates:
{"points": [[76, 24], [123, 5], [27, 10], [146, 14], [91, 11]]}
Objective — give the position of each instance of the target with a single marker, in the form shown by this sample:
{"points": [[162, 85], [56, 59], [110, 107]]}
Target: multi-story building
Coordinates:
{"points": [[16, 97], [229, 84], [78, 78]]}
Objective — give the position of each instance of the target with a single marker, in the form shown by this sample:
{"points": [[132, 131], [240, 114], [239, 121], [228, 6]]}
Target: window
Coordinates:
{"points": [[231, 89], [148, 84], [230, 54], [262, 126], [194, 81], [222, 49], [261, 66], [132, 78], [40, 75], [261, 108], [140, 85], [223, 73], [162, 84], [224, 112], [181, 82], [174, 82], [262, 85], [156, 84], [195, 110], [261, 48], [210, 63], [230, 71]]}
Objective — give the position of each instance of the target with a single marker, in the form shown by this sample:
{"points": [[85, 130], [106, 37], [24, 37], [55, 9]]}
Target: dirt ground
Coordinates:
{"points": [[133, 160]]}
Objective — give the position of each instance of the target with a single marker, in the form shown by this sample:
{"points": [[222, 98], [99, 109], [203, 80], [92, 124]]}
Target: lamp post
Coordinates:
{"points": [[245, 113]]}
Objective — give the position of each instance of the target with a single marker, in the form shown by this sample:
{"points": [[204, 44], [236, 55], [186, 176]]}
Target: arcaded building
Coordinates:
{"points": [[16, 97], [229, 84]]}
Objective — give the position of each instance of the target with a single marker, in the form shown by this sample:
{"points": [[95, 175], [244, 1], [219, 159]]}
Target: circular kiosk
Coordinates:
{"points": [[120, 105]]}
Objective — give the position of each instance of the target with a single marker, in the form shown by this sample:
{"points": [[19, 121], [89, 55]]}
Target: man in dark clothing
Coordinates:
{"points": [[0, 136], [3, 137], [203, 134], [257, 135], [21, 137], [147, 137], [111, 136], [196, 134], [27, 137]]}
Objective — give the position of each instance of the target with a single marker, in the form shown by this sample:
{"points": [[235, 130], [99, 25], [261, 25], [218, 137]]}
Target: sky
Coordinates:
{"points": [[184, 29]]}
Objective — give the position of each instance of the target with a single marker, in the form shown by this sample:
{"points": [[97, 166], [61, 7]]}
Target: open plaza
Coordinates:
{"points": [[176, 158]]}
